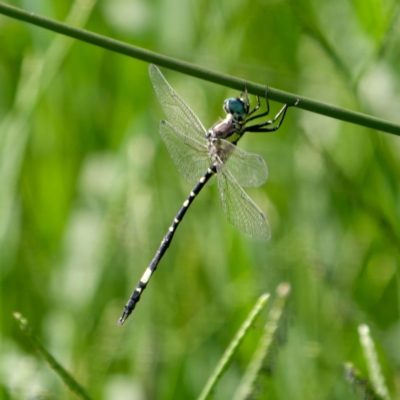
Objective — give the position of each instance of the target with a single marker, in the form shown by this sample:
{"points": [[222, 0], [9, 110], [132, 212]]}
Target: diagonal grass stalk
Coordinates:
{"points": [[14, 129], [371, 357], [58, 368], [202, 73], [246, 386], [227, 357]]}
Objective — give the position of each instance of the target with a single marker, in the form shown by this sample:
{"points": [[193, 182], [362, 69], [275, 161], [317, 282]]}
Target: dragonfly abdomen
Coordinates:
{"points": [[144, 280]]}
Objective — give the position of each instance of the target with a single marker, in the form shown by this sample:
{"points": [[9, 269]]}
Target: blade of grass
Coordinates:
{"points": [[253, 371], [383, 46], [14, 129], [60, 371], [306, 16], [232, 348], [374, 368], [202, 73]]}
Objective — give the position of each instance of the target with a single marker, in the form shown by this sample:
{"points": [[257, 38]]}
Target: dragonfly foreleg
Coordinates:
{"points": [[278, 117]]}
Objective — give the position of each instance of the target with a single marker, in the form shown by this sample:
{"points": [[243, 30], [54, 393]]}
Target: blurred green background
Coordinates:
{"points": [[87, 192]]}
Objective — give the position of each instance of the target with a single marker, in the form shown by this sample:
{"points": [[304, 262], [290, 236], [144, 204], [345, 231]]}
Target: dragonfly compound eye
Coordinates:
{"points": [[236, 107]]}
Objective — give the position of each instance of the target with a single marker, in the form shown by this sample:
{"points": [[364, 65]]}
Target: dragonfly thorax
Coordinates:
{"points": [[228, 129]]}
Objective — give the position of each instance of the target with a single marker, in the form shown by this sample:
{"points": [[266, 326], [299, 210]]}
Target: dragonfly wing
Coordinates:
{"points": [[190, 156], [240, 209], [178, 113], [248, 169]]}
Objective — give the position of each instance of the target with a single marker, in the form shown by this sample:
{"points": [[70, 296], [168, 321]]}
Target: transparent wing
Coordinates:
{"points": [[240, 209], [190, 156], [248, 169], [177, 111]]}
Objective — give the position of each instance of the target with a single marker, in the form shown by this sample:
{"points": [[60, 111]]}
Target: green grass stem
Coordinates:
{"points": [[60, 371], [371, 358], [246, 386], [202, 73], [232, 348]]}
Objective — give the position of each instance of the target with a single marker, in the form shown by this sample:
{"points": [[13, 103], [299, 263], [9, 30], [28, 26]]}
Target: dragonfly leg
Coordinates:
{"points": [[266, 112], [256, 108], [263, 126], [245, 96]]}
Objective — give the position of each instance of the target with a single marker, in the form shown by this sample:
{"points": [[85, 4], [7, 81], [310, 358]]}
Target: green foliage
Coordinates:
{"points": [[64, 375], [230, 353], [87, 191]]}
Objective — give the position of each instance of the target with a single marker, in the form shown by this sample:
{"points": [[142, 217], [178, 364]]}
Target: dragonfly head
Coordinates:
{"points": [[237, 107]]}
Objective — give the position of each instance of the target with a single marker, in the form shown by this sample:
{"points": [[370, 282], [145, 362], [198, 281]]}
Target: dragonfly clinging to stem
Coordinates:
{"points": [[200, 154]]}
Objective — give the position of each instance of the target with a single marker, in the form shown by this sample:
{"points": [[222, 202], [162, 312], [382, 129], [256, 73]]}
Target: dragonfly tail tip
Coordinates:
{"points": [[123, 318]]}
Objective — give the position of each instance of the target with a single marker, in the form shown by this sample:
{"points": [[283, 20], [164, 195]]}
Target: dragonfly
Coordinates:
{"points": [[200, 154]]}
